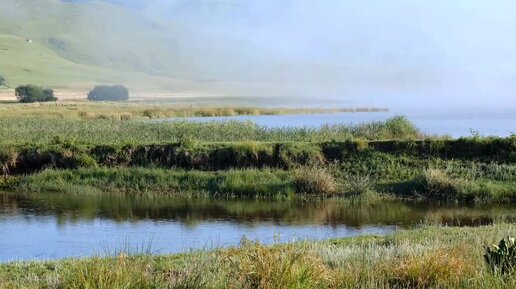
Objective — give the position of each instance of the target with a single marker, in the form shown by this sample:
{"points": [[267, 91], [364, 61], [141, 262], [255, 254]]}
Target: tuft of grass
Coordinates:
{"points": [[253, 265], [439, 185], [315, 180], [441, 267]]}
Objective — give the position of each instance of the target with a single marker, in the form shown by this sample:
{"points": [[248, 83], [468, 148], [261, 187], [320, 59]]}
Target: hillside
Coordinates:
{"points": [[76, 43]]}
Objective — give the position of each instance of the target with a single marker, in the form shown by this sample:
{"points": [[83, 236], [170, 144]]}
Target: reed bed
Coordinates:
{"points": [[145, 110], [34, 130]]}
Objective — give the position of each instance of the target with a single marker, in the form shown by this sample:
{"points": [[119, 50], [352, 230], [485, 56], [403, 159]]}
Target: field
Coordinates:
{"points": [[428, 257]]}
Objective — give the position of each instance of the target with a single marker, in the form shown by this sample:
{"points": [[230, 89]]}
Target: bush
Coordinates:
{"points": [[32, 93], [358, 183], [3, 82], [109, 93], [501, 258]]}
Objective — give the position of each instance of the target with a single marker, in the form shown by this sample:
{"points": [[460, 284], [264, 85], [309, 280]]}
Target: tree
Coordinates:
{"points": [[109, 93], [3, 82], [32, 93]]}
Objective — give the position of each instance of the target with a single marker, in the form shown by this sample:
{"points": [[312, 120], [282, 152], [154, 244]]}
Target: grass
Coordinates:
{"points": [[428, 257], [37, 130], [133, 110], [346, 179]]}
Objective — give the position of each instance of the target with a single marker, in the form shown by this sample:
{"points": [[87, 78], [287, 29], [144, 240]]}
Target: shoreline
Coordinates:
{"points": [[430, 256]]}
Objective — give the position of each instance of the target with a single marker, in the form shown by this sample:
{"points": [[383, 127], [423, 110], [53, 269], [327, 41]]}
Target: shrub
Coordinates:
{"points": [[3, 82], [314, 180], [501, 258], [358, 183], [400, 127], [109, 93], [32, 93]]}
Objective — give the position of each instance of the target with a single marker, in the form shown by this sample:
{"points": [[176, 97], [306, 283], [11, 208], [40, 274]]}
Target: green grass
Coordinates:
{"points": [[37, 130], [83, 51], [429, 257], [23, 63], [273, 183]]}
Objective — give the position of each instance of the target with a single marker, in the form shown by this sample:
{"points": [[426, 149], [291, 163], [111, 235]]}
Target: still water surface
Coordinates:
{"points": [[50, 226], [494, 122]]}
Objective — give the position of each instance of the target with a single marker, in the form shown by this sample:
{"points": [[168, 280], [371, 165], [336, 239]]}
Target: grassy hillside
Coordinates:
{"points": [[73, 44], [23, 62]]}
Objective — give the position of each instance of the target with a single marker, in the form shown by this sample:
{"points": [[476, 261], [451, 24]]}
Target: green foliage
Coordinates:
{"points": [[32, 93], [41, 129], [109, 93], [400, 127], [359, 183], [501, 258]]}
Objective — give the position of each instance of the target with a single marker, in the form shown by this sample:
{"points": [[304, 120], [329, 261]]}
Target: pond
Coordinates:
{"points": [[489, 122], [53, 226]]}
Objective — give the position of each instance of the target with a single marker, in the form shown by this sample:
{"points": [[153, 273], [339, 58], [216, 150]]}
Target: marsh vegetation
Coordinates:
{"points": [[72, 151]]}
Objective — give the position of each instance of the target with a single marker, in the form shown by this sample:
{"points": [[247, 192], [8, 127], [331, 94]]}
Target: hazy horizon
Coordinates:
{"points": [[381, 52]]}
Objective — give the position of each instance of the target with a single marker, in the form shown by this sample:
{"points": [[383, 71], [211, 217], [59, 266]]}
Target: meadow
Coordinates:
{"points": [[427, 257]]}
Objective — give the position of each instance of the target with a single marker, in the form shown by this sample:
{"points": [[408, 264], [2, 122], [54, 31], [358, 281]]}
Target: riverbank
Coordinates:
{"points": [[429, 257], [473, 170]]}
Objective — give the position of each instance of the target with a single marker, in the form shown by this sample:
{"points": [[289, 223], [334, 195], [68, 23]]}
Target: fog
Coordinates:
{"points": [[379, 52]]}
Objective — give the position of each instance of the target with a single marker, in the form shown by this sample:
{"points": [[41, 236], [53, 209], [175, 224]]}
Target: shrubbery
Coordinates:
{"points": [[109, 93], [32, 93]]}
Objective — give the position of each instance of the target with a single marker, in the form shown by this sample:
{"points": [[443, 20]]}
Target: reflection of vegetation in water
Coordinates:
{"points": [[249, 212]]}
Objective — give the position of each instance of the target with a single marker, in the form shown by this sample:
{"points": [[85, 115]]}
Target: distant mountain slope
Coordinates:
{"points": [[90, 41]]}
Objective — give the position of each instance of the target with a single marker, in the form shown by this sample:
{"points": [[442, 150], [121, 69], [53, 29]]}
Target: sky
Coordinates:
{"points": [[442, 50], [424, 52]]}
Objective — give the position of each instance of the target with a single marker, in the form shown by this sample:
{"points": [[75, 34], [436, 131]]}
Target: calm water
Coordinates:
{"points": [[49, 226], [488, 122]]}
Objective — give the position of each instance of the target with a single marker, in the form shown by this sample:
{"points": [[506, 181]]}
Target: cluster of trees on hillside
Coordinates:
{"points": [[109, 93], [33, 93]]}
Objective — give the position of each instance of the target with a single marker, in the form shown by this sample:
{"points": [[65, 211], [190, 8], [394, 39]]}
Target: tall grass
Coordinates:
{"points": [[164, 109], [30, 129]]}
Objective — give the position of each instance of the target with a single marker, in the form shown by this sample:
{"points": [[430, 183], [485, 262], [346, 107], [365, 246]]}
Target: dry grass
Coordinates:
{"points": [[439, 185], [432, 268], [315, 180], [280, 267]]}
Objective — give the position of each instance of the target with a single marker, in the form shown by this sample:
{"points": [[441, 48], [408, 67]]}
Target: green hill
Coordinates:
{"points": [[54, 43]]}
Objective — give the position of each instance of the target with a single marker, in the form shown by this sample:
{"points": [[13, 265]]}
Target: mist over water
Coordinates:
{"points": [[440, 53]]}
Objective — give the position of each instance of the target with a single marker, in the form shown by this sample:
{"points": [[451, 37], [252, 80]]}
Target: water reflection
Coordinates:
{"points": [[59, 225], [120, 208]]}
